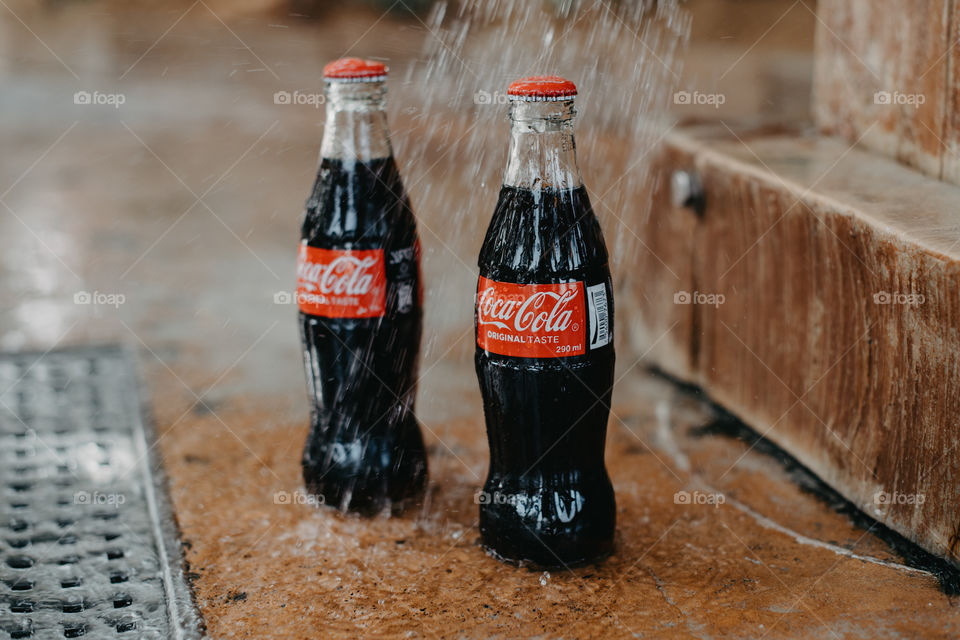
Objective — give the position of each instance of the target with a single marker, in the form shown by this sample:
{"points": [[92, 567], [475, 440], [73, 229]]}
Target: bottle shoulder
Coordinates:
{"points": [[359, 204], [543, 236]]}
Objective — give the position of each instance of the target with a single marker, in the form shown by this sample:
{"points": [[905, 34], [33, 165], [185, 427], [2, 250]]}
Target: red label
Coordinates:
{"points": [[341, 284], [531, 320]]}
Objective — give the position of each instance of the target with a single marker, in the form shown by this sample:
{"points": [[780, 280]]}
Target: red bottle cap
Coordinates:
{"points": [[355, 70], [542, 89]]}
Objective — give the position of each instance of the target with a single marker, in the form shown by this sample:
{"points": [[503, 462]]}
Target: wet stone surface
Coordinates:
{"points": [[713, 540]]}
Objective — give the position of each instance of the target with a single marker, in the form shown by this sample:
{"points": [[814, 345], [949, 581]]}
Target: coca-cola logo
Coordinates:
{"points": [[531, 320], [341, 283], [345, 275], [538, 312]]}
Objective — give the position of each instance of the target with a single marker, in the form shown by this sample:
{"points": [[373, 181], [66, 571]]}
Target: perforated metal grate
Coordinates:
{"points": [[87, 543]]}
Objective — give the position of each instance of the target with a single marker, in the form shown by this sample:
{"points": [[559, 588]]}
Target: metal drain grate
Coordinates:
{"points": [[87, 542]]}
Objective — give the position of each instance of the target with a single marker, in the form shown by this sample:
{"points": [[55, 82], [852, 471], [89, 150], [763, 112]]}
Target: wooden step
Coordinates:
{"points": [[818, 298]]}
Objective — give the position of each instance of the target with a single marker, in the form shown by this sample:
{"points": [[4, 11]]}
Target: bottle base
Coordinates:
{"points": [[346, 499], [520, 542], [386, 477], [549, 521]]}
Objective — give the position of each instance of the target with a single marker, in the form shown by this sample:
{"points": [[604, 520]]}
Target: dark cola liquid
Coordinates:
{"points": [[547, 498], [364, 451]]}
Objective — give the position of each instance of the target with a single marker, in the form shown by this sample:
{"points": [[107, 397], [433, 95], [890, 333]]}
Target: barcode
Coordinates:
{"points": [[599, 316]]}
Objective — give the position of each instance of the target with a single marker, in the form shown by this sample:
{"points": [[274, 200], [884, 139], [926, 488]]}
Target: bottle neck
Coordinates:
{"points": [[356, 122], [542, 152]]}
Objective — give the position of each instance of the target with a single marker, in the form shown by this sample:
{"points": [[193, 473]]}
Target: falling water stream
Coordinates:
{"points": [[625, 58]]}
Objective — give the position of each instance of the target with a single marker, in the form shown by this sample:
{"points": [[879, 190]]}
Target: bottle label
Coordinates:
{"points": [[531, 320], [341, 284], [599, 316], [403, 270]]}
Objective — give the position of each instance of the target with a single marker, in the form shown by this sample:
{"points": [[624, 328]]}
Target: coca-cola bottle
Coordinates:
{"points": [[358, 290], [544, 356]]}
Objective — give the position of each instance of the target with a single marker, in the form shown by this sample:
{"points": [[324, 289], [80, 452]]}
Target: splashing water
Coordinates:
{"points": [[450, 131], [448, 117]]}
